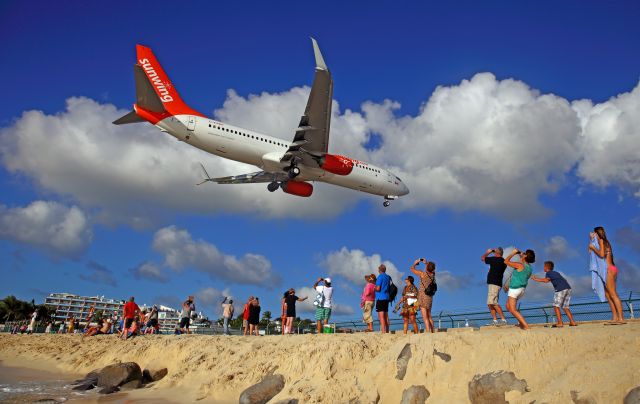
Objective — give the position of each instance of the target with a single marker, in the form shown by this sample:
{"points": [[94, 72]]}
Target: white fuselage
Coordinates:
{"points": [[265, 152]]}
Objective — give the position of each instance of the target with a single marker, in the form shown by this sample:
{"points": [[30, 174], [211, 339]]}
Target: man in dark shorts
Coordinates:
{"points": [[129, 313], [188, 307], [494, 282], [382, 298]]}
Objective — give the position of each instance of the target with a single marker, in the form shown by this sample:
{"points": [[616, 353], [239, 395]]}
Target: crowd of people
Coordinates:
{"points": [[416, 298]]}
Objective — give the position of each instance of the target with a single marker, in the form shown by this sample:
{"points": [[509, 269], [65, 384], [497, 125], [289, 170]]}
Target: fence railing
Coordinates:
{"points": [[582, 311]]}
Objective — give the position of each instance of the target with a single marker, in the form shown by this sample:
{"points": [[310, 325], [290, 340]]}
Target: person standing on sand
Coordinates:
{"points": [[48, 329], [227, 314], [425, 301], [254, 317], [606, 252], [519, 280], [367, 300], [494, 281], [188, 307], [32, 324], [129, 313], [323, 308], [72, 323], [382, 298], [562, 295], [245, 315], [291, 300], [408, 302], [283, 313]]}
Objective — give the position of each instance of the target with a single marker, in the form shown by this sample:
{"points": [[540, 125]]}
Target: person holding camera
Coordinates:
{"points": [[188, 307], [426, 291], [323, 302], [494, 281], [519, 280]]}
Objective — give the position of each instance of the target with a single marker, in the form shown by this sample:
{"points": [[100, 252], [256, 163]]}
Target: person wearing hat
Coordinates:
{"points": [[367, 300], [409, 304], [323, 302]]}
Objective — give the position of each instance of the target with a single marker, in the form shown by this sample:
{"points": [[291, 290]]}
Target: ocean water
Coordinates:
{"points": [[23, 385]]}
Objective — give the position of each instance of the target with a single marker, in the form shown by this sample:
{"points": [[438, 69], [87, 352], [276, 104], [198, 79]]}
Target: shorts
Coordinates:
{"points": [[382, 306], [323, 313], [562, 298], [245, 323], [516, 293], [152, 323], [184, 322], [128, 322], [493, 292], [366, 312]]}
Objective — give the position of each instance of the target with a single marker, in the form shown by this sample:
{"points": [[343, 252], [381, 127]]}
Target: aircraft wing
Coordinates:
{"points": [[252, 178], [312, 135]]}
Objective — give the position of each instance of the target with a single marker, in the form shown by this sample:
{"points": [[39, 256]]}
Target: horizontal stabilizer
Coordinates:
{"points": [[131, 117]]}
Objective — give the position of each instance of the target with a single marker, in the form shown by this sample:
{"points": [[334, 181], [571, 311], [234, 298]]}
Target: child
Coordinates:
{"points": [[562, 295]]}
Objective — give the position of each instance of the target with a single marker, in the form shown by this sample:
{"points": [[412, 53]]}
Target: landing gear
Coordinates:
{"points": [[294, 172], [388, 199], [386, 204], [273, 186]]}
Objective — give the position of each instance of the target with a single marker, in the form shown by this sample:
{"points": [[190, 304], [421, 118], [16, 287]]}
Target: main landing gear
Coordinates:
{"points": [[388, 199], [273, 186], [294, 171]]}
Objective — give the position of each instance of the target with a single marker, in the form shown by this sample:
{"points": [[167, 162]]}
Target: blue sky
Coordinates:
{"points": [[514, 124]]}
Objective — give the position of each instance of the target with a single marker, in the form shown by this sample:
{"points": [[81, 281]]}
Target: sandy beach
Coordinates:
{"points": [[593, 360]]}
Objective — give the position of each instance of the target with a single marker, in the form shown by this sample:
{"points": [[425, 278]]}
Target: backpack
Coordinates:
{"points": [[393, 290], [432, 288]]}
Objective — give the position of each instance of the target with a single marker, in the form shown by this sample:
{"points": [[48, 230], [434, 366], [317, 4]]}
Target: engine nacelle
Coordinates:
{"points": [[335, 164], [299, 188]]}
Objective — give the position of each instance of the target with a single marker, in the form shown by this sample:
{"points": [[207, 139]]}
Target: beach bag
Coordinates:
{"points": [[393, 291], [319, 300], [432, 288]]}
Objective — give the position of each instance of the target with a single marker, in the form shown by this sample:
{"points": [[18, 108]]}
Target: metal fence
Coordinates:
{"points": [[583, 310]]}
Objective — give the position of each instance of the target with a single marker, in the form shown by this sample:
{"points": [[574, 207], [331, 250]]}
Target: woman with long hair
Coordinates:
{"points": [[283, 313], [290, 301], [425, 302], [519, 280], [409, 305], [606, 252]]}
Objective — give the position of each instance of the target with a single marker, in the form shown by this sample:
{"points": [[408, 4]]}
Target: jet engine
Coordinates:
{"points": [[298, 188], [335, 164]]}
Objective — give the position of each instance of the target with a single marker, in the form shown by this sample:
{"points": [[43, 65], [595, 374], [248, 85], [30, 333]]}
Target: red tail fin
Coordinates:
{"points": [[161, 84]]}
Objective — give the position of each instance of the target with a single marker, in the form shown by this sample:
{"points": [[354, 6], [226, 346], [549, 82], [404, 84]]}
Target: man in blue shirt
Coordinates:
{"points": [[562, 295], [382, 298]]}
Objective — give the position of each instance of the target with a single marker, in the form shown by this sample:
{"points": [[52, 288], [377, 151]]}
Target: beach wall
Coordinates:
{"points": [[593, 361]]}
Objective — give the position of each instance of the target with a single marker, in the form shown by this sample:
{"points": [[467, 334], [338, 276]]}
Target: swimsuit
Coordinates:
{"points": [[613, 269]]}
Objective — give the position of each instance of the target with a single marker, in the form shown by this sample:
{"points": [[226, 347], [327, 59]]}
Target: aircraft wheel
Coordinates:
{"points": [[386, 204], [273, 186], [294, 172]]}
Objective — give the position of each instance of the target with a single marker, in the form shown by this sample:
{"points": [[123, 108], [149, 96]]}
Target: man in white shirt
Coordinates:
{"points": [[227, 314], [323, 302]]}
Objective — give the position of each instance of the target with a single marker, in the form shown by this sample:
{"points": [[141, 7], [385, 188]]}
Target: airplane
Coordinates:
{"points": [[290, 166]]}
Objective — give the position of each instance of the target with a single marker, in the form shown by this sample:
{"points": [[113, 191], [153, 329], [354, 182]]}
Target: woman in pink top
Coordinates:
{"points": [[367, 299]]}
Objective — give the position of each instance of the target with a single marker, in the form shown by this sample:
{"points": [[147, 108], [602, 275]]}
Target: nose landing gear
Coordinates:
{"points": [[388, 199], [273, 186], [294, 171]]}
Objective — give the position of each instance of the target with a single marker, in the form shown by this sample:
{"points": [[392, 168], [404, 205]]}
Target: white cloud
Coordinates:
{"points": [[558, 248], [448, 281], [484, 144], [354, 264], [610, 141], [211, 299], [149, 271], [181, 251], [339, 308], [59, 230]]}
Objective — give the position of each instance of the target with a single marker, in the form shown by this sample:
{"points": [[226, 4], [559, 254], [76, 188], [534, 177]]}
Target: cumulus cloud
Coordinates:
{"points": [[98, 274], [181, 251], [448, 281], [484, 144], [338, 307], [629, 276], [57, 229], [149, 271], [354, 264], [558, 248]]}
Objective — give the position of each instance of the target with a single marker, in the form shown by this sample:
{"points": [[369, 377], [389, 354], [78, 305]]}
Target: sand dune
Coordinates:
{"points": [[598, 362]]}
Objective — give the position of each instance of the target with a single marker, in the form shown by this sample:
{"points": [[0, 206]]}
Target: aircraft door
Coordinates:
{"points": [[191, 123]]}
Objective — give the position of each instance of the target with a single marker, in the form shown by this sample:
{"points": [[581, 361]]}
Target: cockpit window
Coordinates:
{"points": [[398, 178]]}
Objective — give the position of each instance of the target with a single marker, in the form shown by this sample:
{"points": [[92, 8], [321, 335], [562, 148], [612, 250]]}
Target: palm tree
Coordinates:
{"points": [[14, 309], [266, 316]]}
